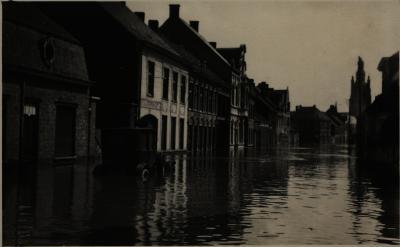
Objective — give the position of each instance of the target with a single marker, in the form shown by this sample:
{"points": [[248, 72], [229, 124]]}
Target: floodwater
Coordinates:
{"points": [[297, 196]]}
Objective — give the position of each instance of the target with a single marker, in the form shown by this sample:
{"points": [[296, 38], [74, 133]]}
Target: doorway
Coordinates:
{"points": [[30, 133]]}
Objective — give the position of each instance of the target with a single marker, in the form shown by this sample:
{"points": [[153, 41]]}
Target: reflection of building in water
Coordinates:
{"points": [[167, 215], [50, 201], [374, 195]]}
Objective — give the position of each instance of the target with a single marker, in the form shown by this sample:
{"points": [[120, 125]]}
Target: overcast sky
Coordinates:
{"points": [[311, 47]]}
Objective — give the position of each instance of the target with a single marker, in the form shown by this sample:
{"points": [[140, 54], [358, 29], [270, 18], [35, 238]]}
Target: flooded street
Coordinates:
{"points": [[297, 196]]}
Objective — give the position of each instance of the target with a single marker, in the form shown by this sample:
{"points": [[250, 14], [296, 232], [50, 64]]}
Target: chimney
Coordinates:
{"points": [[140, 15], [195, 25], [153, 24], [174, 10], [213, 44]]}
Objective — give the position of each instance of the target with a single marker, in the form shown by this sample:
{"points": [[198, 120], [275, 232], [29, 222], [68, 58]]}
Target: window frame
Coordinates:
{"points": [[150, 78]]}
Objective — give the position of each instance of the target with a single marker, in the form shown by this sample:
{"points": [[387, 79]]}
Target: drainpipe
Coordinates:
{"points": [[89, 124], [20, 153]]}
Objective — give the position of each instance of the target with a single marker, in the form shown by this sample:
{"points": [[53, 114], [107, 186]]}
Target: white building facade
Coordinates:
{"points": [[164, 97]]}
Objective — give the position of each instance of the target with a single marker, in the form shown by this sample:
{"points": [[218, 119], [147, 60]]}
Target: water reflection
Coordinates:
{"points": [[304, 196]]}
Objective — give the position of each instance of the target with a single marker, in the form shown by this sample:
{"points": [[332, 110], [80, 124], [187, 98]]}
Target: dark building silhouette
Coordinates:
{"points": [[280, 99], [48, 109], [360, 97], [312, 125], [261, 119], [338, 128], [378, 128]]}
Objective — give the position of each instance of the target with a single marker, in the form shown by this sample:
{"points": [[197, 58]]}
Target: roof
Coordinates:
{"points": [[180, 32], [383, 104], [193, 62], [256, 93], [336, 119], [394, 59], [35, 45], [27, 14], [232, 55], [310, 112], [204, 41], [135, 26]]}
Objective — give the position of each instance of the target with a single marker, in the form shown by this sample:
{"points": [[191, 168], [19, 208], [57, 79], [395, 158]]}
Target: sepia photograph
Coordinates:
{"points": [[181, 122]]}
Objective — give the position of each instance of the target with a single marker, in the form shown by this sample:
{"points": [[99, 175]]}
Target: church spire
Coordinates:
{"points": [[360, 63], [360, 75]]}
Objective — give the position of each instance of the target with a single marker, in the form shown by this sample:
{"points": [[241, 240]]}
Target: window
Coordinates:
{"points": [[232, 95], [150, 78], [195, 97], [209, 101], [65, 131], [165, 83], [191, 96], [215, 103], [190, 137], [173, 132], [183, 89], [164, 125], [200, 104], [205, 103], [181, 132], [174, 86]]}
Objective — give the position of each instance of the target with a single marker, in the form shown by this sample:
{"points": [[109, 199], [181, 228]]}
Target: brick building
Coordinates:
{"points": [[48, 111], [141, 80]]}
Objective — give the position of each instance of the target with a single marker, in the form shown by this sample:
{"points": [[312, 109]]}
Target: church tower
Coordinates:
{"points": [[360, 97]]}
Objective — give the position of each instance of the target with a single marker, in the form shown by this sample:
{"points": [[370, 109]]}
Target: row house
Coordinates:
{"points": [[239, 95], [212, 84], [142, 81], [280, 99], [204, 86], [48, 108], [261, 117]]}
